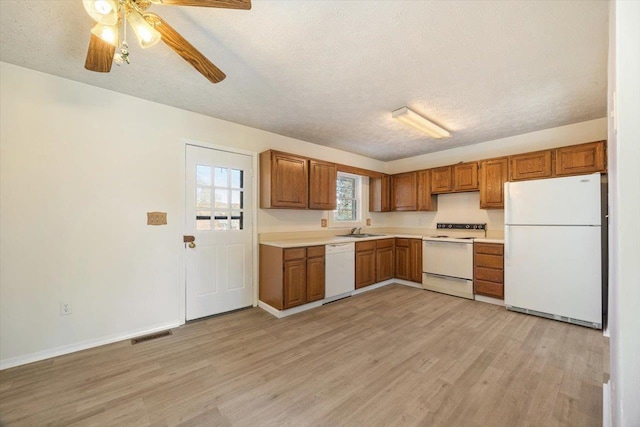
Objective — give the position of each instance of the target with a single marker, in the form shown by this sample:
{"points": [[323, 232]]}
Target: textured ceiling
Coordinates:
{"points": [[331, 72]]}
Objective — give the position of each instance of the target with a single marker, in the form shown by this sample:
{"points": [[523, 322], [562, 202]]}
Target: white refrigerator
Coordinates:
{"points": [[553, 261]]}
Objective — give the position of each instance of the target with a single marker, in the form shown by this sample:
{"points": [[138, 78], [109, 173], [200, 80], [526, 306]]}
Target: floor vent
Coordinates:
{"points": [[151, 337]]}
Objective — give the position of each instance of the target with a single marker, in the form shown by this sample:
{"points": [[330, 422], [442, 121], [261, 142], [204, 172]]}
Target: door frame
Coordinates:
{"points": [[182, 216]]}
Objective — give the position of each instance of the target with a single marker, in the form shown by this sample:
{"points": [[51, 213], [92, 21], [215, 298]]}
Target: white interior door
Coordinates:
{"points": [[219, 216]]}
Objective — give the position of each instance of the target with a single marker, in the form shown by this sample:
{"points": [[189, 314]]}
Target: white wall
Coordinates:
{"points": [[465, 207], [624, 200], [79, 168]]}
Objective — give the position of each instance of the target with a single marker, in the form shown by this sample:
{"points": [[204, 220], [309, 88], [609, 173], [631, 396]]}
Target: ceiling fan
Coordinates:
{"points": [[109, 32]]}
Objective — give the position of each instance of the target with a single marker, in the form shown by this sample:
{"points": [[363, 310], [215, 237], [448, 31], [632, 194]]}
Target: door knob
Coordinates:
{"points": [[192, 245]]}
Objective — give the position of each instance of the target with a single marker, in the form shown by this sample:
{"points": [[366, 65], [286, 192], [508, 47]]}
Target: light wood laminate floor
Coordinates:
{"points": [[395, 356]]}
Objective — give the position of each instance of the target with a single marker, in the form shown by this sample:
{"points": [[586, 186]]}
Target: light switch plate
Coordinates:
{"points": [[323, 222], [156, 218]]}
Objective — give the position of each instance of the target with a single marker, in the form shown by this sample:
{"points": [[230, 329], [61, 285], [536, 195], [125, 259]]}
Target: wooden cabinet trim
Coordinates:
{"points": [[315, 251], [295, 253], [366, 246], [489, 248]]}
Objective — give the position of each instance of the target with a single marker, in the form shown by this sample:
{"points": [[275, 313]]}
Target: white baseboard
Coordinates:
{"points": [[489, 300], [284, 313], [606, 404], [59, 351]]}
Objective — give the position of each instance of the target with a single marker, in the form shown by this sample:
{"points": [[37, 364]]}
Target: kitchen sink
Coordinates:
{"points": [[359, 236]]}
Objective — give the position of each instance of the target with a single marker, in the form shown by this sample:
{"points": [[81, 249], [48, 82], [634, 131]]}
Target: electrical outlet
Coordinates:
{"points": [[65, 308], [368, 221], [323, 222]]}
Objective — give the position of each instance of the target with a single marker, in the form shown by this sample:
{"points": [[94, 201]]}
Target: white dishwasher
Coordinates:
{"points": [[340, 270]]}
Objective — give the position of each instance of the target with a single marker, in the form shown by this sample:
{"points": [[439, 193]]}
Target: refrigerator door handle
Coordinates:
{"points": [[507, 245]]}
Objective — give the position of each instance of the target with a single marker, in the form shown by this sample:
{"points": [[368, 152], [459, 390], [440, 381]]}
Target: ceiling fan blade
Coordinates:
{"points": [[227, 4], [185, 49], [99, 55]]}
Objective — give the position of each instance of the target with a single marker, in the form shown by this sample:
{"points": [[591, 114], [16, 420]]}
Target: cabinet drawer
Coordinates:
{"points": [[384, 243], [366, 246], [489, 248], [294, 253], [315, 251], [494, 290], [490, 261], [402, 243], [489, 274]]}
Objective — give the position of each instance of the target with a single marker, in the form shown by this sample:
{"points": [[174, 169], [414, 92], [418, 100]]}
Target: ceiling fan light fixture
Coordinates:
{"points": [[418, 122], [146, 34], [108, 33], [102, 11]]}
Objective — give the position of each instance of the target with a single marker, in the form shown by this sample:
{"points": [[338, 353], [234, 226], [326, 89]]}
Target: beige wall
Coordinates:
{"points": [[79, 168]]}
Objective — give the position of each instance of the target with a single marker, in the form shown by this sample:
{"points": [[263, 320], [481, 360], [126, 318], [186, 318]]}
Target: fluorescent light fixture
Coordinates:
{"points": [[416, 121]]}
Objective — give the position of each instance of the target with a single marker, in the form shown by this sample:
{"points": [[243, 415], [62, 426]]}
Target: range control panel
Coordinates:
{"points": [[449, 226]]}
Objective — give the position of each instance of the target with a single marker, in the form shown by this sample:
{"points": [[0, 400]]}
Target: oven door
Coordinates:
{"points": [[454, 259]]}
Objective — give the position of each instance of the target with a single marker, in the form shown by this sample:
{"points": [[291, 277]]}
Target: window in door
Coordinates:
{"points": [[219, 198]]}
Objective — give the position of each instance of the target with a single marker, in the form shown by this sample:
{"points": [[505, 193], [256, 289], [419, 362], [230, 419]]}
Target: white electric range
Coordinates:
{"points": [[447, 259]]}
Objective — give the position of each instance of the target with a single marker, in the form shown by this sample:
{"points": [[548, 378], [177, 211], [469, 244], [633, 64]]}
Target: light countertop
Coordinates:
{"points": [[316, 241], [500, 241]]}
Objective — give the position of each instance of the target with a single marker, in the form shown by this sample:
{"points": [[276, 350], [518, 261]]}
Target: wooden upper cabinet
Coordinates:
{"points": [[379, 194], [404, 192], [322, 185], [581, 159], [426, 200], [493, 174], [284, 181], [530, 165], [441, 180], [465, 177]]}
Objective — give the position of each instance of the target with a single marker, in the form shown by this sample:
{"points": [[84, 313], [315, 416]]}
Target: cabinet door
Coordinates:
{"points": [[530, 165], [415, 260], [581, 159], [493, 174], [322, 185], [365, 268], [404, 192], [426, 200], [289, 181], [379, 194], [441, 180], [465, 177], [295, 283], [384, 264], [315, 279], [402, 259]]}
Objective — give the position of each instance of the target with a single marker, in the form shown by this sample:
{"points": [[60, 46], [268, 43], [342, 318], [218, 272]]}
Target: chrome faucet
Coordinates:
{"points": [[359, 230], [353, 230]]}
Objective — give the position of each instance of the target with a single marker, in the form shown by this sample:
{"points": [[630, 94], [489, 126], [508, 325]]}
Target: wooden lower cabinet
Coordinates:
{"points": [[365, 264], [315, 273], [295, 283], [291, 277], [402, 259], [415, 260], [488, 270], [408, 260], [384, 259]]}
